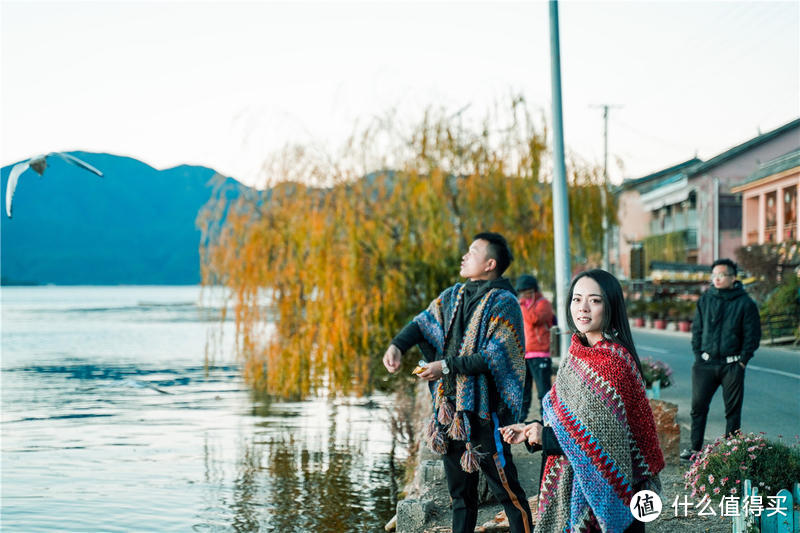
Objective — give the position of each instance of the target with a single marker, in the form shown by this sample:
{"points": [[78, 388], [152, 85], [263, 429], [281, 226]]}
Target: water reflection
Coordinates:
{"points": [[305, 480]]}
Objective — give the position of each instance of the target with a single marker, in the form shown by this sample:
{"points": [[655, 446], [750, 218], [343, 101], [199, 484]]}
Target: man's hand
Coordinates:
{"points": [[432, 372], [391, 359], [534, 433], [513, 434]]}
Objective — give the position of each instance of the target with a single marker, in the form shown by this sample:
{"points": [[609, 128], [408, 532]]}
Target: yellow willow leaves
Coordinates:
{"points": [[323, 267]]}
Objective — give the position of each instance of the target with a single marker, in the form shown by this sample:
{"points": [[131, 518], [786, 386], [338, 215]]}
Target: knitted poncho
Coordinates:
{"points": [[495, 331], [604, 425]]}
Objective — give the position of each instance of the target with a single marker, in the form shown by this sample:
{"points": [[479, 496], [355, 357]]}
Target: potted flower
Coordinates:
{"points": [[657, 375], [636, 312], [686, 315], [656, 311], [733, 466]]}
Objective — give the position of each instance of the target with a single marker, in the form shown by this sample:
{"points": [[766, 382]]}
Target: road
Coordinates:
{"points": [[771, 388]]}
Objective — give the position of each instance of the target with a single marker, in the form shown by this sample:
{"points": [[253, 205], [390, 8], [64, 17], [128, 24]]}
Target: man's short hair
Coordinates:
{"points": [[732, 268], [498, 250]]}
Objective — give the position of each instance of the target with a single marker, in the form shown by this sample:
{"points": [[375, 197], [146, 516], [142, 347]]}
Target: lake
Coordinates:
{"points": [[113, 421]]}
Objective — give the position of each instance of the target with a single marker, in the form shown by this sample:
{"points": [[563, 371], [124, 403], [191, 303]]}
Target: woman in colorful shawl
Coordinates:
{"points": [[598, 438]]}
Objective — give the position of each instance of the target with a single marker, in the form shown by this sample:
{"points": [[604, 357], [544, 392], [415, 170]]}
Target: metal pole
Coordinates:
{"points": [[560, 205], [603, 189]]}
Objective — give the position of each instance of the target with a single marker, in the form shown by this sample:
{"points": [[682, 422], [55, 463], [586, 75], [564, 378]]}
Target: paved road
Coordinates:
{"points": [[772, 385]]}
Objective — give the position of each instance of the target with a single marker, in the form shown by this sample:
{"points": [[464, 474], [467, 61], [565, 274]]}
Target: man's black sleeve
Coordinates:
{"points": [[470, 364], [751, 331], [408, 337], [697, 331]]}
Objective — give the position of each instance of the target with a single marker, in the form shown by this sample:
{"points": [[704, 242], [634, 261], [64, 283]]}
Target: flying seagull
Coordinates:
{"points": [[38, 164]]}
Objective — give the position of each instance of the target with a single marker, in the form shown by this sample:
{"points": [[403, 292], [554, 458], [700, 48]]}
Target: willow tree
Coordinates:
{"points": [[327, 263]]}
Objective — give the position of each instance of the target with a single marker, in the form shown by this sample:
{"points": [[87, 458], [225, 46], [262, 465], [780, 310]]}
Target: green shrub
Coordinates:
{"points": [[722, 466], [785, 298]]}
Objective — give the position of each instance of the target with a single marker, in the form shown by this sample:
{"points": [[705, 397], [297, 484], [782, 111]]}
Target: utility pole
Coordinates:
{"points": [[603, 189], [560, 205]]}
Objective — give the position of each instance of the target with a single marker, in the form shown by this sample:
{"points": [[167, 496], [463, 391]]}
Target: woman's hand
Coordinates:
{"points": [[513, 434], [533, 432]]}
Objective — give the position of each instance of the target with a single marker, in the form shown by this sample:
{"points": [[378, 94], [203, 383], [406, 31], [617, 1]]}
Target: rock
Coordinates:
{"points": [[669, 432], [412, 515], [432, 470], [391, 525]]}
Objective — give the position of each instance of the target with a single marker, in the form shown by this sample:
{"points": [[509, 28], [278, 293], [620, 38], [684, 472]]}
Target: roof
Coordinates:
{"points": [[665, 173], [773, 167], [745, 146]]}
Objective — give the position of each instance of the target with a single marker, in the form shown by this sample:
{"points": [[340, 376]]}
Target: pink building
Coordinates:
{"points": [[689, 213], [770, 201]]}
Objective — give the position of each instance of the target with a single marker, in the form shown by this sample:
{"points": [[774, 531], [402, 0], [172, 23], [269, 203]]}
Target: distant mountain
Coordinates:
{"points": [[136, 225]]}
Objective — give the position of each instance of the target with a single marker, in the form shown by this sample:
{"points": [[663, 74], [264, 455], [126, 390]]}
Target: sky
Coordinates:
{"points": [[226, 84]]}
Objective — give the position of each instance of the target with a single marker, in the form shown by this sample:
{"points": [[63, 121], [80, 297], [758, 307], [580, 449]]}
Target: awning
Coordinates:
{"points": [[668, 194]]}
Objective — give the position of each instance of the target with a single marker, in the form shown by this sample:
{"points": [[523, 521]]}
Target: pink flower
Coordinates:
{"points": [[738, 481], [751, 456], [711, 479], [702, 488], [723, 481], [716, 490], [733, 490]]}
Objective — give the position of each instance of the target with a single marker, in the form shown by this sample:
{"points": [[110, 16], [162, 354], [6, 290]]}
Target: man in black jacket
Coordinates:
{"points": [[725, 333]]}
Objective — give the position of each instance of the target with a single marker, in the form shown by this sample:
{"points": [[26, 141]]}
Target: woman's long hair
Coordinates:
{"points": [[615, 315]]}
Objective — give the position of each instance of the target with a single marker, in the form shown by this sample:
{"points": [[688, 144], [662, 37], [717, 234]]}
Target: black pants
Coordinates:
{"points": [[539, 369], [706, 377], [502, 480]]}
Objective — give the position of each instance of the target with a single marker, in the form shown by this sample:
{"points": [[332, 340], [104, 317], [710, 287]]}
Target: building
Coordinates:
{"points": [[770, 201], [689, 213]]}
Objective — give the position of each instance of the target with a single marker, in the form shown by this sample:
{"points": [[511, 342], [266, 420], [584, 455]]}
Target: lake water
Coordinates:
{"points": [[111, 421]]}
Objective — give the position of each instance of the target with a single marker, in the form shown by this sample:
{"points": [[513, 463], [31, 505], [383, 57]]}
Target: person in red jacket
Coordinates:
{"points": [[537, 316]]}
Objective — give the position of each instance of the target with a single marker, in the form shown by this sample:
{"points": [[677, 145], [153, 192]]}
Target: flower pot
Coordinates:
{"points": [[654, 391], [638, 322], [684, 325], [660, 323]]}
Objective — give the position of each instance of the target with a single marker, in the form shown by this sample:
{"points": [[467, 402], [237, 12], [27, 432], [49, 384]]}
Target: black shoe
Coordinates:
{"points": [[687, 453]]}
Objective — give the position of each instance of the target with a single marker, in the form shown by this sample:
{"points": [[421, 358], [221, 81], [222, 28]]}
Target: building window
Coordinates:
{"points": [[771, 217], [790, 214]]}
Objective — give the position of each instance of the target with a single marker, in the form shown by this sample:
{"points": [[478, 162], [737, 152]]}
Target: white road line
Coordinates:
{"points": [[771, 371], [643, 347]]}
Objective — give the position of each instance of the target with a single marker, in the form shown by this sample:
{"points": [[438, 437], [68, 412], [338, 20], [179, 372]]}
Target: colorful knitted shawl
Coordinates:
{"points": [[495, 331], [604, 425]]}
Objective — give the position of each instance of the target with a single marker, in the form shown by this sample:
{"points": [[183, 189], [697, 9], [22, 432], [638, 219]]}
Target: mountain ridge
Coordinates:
{"points": [[136, 225]]}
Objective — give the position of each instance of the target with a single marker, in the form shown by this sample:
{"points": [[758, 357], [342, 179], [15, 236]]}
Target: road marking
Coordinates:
{"points": [[771, 371], [651, 349]]}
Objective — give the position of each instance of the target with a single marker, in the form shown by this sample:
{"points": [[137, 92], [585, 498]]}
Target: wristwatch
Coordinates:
{"points": [[445, 368]]}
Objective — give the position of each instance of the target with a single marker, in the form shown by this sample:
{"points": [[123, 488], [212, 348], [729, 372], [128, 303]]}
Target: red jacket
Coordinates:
{"points": [[537, 314]]}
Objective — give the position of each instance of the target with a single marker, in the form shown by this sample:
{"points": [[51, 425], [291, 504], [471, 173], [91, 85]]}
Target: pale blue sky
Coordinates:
{"points": [[223, 84]]}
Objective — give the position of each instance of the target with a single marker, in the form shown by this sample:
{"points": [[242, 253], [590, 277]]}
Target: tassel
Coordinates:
{"points": [[456, 430], [445, 413], [469, 460], [431, 429], [437, 443]]}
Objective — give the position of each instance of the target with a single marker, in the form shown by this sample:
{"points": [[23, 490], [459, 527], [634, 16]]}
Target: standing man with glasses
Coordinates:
{"points": [[725, 333]]}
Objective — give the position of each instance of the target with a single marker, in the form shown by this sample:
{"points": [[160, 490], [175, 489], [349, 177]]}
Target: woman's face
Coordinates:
{"points": [[587, 309]]}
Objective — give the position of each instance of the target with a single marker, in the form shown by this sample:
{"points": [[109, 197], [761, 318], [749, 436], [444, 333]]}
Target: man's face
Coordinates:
{"points": [[721, 277], [527, 294], [476, 263]]}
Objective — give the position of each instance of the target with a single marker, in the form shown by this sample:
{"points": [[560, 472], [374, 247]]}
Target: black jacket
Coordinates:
{"points": [[726, 323]]}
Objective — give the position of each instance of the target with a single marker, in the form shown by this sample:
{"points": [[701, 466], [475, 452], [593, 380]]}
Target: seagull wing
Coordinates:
{"points": [[13, 178], [77, 162]]}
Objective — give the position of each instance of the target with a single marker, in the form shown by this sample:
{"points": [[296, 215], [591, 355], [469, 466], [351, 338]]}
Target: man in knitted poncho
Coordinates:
{"points": [[473, 341]]}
